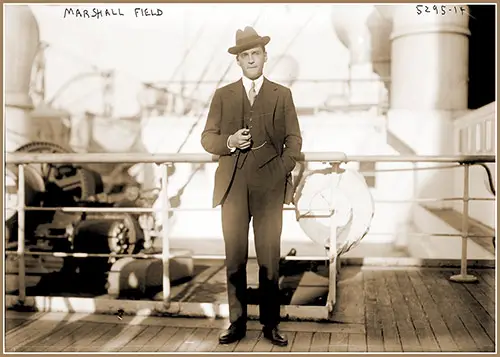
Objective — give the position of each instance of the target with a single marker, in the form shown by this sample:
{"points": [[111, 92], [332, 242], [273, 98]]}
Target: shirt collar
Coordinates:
{"points": [[247, 83]]}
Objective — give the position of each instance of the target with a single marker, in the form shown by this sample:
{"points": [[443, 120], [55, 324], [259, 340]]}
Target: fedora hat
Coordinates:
{"points": [[246, 39]]}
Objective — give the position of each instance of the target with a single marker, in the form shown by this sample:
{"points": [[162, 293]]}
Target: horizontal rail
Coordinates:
{"points": [[435, 200], [428, 234], [282, 80], [134, 158], [155, 255], [159, 255], [196, 209], [93, 255], [136, 209]]}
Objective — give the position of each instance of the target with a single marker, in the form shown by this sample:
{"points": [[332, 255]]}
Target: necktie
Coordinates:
{"points": [[252, 93]]}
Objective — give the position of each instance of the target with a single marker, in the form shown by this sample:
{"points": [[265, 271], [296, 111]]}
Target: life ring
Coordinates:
{"points": [[352, 201]]}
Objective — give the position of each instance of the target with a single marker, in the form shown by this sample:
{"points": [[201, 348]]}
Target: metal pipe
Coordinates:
{"points": [[157, 256], [463, 277], [442, 167], [136, 209], [465, 222], [286, 257], [196, 209], [132, 158], [92, 255], [165, 235], [433, 200], [332, 252], [301, 80], [21, 229], [96, 209]]}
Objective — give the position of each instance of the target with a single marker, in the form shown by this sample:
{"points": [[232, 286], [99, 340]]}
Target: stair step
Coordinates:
{"points": [[454, 219]]}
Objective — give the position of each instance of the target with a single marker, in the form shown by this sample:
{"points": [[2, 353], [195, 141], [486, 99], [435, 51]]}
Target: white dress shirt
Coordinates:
{"points": [[247, 83]]}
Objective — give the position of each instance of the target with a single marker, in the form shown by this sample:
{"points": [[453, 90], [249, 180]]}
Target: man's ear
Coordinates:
{"points": [[265, 56]]}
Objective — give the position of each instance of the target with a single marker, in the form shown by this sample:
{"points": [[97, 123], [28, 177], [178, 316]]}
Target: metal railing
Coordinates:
{"points": [[334, 158]]}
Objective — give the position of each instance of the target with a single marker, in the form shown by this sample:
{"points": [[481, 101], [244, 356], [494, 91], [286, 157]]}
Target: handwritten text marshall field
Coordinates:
{"points": [[98, 13]]}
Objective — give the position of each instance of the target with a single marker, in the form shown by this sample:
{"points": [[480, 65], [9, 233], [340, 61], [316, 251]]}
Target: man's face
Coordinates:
{"points": [[252, 62]]}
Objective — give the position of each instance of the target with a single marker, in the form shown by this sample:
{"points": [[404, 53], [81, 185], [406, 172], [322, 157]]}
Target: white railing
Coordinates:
{"points": [[474, 134], [334, 158]]}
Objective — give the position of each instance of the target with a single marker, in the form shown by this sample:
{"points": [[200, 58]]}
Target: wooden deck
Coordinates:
{"points": [[378, 309]]}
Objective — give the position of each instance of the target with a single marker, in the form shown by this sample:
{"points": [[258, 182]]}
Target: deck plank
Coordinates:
{"points": [[47, 340], [349, 307], [125, 336], [210, 341], [320, 342], [262, 345], [339, 342], [374, 339], [471, 320], [141, 339], [448, 311], [356, 342], [111, 332], [390, 331], [302, 342], [486, 321], [159, 339], [402, 316], [224, 348], [85, 336], [486, 275], [25, 336], [13, 324], [176, 341], [192, 343], [68, 340], [249, 342], [429, 326], [484, 294]]}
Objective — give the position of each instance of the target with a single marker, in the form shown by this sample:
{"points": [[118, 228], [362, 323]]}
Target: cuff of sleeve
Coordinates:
{"points": [[227, 143]]}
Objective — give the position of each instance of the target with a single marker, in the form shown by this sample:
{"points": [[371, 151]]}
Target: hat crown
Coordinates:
{"points": [[248, 34], [246, 39]]}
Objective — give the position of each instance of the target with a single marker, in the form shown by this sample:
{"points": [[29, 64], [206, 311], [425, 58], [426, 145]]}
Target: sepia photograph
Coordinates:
{"points": [[250, 178]]}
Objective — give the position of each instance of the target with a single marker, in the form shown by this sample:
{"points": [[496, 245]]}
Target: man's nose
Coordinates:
{"points": [[250, 59]]}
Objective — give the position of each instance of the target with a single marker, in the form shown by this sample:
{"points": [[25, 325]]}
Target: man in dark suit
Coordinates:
{"points": [[252, 125]]}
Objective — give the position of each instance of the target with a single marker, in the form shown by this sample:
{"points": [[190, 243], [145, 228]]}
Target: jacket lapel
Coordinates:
{"points": [[236, 93], [270, 98]]}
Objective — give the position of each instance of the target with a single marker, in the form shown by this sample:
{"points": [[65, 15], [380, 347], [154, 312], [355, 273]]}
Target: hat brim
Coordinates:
{"points": [[260, 41]]}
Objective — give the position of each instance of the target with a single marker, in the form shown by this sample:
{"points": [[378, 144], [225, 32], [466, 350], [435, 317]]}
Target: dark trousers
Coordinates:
{"points": [[258, 193]]}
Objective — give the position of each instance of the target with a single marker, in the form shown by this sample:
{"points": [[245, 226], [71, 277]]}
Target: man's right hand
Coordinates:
{"points": [[241, 139]]}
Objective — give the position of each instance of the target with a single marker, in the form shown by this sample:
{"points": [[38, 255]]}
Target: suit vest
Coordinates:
{"points": [[253, 119]]}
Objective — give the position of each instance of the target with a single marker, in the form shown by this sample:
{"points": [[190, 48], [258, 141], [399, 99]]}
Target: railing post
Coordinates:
{"points": [[463, 277], [332, 251], [165, 234], [21, 222]]}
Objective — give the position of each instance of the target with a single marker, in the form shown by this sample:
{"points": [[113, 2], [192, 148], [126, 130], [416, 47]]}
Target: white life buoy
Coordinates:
{"points": [[352, 202]]}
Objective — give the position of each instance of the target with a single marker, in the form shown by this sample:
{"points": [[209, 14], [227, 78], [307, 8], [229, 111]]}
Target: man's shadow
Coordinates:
{"points": [[291, 274]]}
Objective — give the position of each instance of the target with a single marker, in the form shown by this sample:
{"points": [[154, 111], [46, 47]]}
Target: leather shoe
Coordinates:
{"points": [[232, 334], [273, 335]]}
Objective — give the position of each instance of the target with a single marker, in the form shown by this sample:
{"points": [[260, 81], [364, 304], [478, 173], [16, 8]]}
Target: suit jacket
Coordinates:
{"points": [[224, 119]]}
